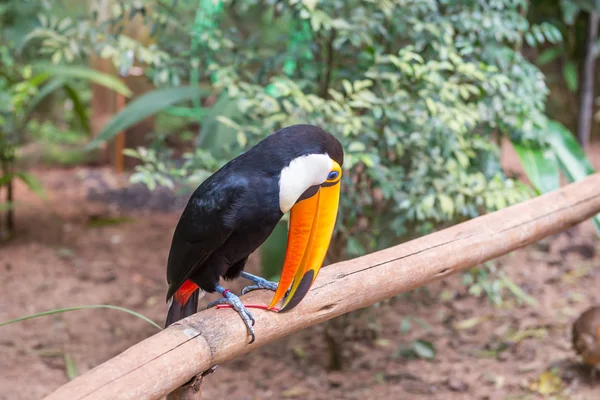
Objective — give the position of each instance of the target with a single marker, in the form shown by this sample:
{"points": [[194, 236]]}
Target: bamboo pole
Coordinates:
{"points": [[165, 361]]}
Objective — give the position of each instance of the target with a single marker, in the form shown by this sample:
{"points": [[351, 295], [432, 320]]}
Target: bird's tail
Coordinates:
{"points": [[184, 303]]}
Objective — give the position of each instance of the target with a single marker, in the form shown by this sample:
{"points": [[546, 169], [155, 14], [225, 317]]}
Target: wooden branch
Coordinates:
{"points": [[167, 360]]}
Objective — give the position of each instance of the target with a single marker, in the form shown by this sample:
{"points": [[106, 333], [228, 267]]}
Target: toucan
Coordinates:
{"points": [[297, 169]]}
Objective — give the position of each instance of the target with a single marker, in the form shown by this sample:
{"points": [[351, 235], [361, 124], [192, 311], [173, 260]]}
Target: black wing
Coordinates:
{"points": [[204, 226]]}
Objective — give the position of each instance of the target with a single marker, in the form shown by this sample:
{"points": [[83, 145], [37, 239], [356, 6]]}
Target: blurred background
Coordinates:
{"points": [[112, 112]]}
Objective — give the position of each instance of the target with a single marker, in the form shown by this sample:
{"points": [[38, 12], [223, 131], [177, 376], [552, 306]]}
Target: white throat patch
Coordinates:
{"points": [[302, 173]]}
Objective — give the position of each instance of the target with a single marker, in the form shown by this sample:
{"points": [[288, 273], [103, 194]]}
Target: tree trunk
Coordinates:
{"points": [[335, 329], [103, 98], [139, 134], [335, 337], [10, 214], [9, 186], [584, 122]]}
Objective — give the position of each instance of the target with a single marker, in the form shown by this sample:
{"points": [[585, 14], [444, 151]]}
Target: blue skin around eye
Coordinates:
{"points": [[332, 175]]}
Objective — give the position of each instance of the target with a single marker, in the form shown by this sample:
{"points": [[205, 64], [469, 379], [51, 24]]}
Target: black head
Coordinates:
{"points": [[300, 140]]}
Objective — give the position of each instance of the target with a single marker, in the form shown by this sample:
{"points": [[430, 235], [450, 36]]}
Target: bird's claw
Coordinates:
{"points": [[237, 305], [259, 283], [266, 285]]}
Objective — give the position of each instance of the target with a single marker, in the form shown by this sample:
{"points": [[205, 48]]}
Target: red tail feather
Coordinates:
{"points": [[182, 295], [184, 302]]}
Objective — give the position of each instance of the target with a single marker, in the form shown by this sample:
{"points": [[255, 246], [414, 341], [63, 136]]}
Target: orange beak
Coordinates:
{"points": [[311, 226]]}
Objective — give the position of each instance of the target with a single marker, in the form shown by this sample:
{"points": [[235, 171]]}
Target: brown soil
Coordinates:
{"points": [[482, 351]]}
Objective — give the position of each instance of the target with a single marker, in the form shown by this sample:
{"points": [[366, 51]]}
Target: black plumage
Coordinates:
{"points": [[233, 211]]}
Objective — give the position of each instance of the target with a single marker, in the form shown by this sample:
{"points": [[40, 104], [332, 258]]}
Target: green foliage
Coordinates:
{"points": [[73, 37], [571, 157], [486, 280], [419, 92], [30, 181], [414, 93], [540, 165], [159, 168], [58, 145], [416, 349], [88, 74], [567, 19], [572, 160], [560, 152], [214, 145], [144, 106], [23, 87]]}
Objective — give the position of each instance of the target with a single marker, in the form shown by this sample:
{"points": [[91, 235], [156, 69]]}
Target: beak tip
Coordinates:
{"points": [[301, 290]]}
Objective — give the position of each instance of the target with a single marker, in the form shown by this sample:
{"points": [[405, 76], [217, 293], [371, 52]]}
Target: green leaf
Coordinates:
{"points": [[356, 146], [71, 368], [32, 183], [530, 39], [186, 112], [428, 202], [215, 135], [242, 139], [571, 76], [571, 157], [549, 55], [540, 165], [144, 106], [468, 323], [61, 310], [76, 72], [517, 291], [78, 107], [424, 349], [48, 88], [405, 325], [446, 204]]}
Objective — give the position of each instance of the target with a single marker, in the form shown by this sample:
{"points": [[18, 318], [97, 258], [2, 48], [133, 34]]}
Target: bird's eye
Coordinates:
{"points": [[332, 175]]}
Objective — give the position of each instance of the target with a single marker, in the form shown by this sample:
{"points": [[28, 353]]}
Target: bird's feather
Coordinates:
{"points": [[204, 226]]}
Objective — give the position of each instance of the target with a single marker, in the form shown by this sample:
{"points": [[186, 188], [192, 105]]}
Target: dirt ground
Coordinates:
{"points": [[67, 253]]}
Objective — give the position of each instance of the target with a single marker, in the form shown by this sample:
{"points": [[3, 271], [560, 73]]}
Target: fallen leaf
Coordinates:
{"points": [[547, 383], [446, 295], [299, 352], [296, 391], [424, 349], [528, 333], [70, 367], [468, 323], [151, 301], [405, 325], [382, 343]]}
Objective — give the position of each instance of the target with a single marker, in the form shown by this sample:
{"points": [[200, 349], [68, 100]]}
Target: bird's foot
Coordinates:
{"points": [[259, 283], [236, 304]]}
